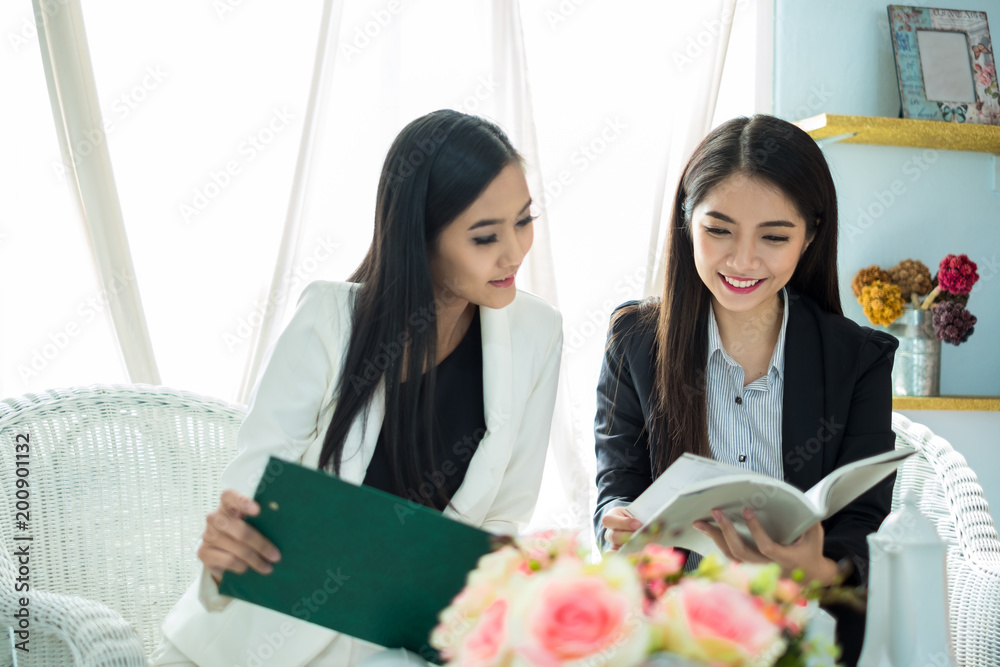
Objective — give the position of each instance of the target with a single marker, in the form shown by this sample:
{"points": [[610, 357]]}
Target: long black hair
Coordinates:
{"points": [[775, 152], [435, 169]]}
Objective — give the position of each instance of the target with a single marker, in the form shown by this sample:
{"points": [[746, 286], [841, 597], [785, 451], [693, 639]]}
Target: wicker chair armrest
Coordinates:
{"points": [[94, 633]]}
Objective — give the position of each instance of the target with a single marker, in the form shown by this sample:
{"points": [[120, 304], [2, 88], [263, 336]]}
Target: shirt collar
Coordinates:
{"points": [[777, 357]]}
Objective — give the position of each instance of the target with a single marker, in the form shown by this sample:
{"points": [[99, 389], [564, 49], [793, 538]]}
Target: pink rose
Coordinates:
{"points": [[483, 646], [495, 573], [576, 618], [985, 73], [540, 550], [659, 562], [788, 590], [577, 612], [715, 623]]}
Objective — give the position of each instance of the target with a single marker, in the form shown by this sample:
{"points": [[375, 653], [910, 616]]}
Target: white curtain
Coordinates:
{"points": [[605, 100], [80, 128], [277, 295], [699, 74], [516, 112]]}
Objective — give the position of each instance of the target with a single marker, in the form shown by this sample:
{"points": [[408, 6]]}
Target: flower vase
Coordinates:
{"points": [[916, 370]]}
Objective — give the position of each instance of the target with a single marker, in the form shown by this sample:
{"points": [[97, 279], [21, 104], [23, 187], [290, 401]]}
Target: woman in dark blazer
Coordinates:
{"points": [[747, 357]]}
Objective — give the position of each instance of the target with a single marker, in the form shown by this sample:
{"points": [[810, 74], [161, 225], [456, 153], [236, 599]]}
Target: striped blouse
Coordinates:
{"points": [[744, 423]]}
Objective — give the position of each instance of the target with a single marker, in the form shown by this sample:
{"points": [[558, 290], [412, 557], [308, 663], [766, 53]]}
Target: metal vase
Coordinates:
{"points": [[917, 368]]}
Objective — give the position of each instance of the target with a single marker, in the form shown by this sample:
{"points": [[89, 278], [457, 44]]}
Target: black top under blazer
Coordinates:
{"points": [[836, 408]]}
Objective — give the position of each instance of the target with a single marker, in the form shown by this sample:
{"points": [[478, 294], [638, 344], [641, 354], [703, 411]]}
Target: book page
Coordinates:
{"points": [[687, 470], [782, 510], [843, 485]]}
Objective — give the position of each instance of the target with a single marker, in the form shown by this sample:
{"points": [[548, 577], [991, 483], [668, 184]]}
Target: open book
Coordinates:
{"points": [[693, 486]]}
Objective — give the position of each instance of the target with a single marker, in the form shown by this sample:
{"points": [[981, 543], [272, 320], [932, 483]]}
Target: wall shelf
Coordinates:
{"points": [[879, 131], [935, 134], [977, 403]]}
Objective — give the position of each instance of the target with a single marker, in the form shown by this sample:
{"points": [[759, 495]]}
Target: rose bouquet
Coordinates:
{"points": [[883, 295], [541, 601]]}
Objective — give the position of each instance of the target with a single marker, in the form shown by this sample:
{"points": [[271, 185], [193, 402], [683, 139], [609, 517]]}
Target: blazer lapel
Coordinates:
{"points": [[487, 465], [803, 400]]}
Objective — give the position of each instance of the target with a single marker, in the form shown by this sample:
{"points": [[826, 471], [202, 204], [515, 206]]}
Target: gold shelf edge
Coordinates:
{"points": [[971, 403], [880, 131]]}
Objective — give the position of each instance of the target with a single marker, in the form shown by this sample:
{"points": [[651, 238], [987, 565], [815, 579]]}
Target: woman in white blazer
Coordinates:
{"points": [[434, 295]]}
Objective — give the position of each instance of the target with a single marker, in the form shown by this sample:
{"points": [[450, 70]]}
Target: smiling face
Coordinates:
{"points": [[479, 253], [748, 238]]}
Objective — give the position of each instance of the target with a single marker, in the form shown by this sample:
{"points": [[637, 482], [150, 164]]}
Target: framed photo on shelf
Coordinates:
{"points": [[944, 65]]}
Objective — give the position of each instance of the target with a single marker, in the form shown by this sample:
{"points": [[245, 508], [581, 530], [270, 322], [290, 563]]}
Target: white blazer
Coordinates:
{"points": [[288, 417]]}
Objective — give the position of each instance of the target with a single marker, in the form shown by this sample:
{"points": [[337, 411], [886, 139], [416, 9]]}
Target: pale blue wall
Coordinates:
{"points": [[835, 57]]}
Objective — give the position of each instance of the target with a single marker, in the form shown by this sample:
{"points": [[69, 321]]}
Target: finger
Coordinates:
{"points": [[220, 526], [737, 545], [621, 523], [236, 504], [619, 519], [765, 545], [716, 536], [617, 537], [230, 554]]}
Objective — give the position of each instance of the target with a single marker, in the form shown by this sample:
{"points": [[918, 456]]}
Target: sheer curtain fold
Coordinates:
{"points": [[277, 295], [515, 108], [80, 128], [700, 79]]}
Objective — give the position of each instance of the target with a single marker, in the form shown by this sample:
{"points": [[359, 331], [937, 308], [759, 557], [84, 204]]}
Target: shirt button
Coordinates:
{"points": [[739, 400], [743, 458]]}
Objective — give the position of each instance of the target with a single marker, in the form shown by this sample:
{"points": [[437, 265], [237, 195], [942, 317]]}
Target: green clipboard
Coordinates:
{"points": [[355, 559]]}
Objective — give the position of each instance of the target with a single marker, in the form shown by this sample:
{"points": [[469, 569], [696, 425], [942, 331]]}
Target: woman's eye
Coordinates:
{"points": [[776, 239], [526, 221], [716, 231], [485, 240]]}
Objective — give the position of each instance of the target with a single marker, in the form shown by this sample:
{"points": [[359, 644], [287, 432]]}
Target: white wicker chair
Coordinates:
{"points": [[121, 478], [951, 497]]}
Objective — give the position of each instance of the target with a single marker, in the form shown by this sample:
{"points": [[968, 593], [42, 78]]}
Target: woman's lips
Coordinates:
{"points": [[750, 283], [506, 282]]}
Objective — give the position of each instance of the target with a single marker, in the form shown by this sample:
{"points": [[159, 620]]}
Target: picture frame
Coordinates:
{"points": [[945, 66]]}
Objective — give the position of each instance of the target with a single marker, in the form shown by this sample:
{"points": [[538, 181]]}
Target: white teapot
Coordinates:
{"points": [[907, 620]]}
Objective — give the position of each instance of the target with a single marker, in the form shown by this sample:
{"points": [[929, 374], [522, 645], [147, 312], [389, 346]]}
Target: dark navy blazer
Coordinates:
{"points": [[836, 408]]}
